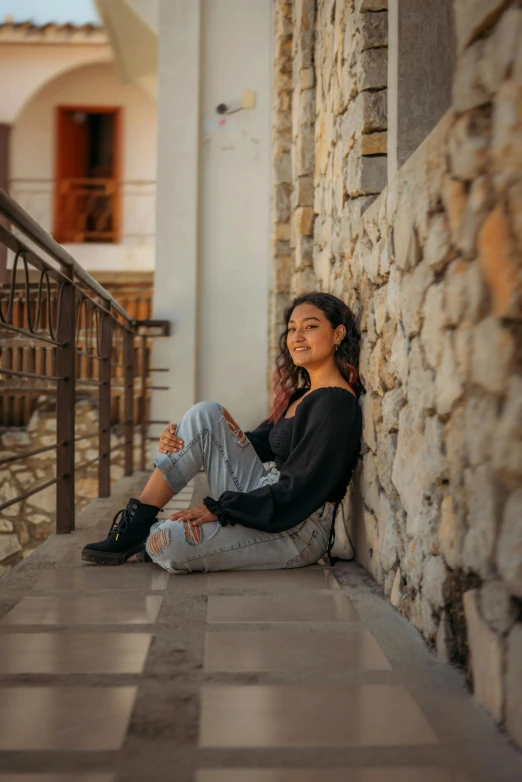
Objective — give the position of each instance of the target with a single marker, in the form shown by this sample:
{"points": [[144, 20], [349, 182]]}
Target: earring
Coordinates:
{"points": [[337, 346]]}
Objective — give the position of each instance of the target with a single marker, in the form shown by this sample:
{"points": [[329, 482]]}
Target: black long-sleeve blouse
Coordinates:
{"points": [[325, 446]]}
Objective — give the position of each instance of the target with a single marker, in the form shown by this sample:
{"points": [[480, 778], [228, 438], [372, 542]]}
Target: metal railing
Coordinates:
{"points": [[16, 408], [75, 317]]}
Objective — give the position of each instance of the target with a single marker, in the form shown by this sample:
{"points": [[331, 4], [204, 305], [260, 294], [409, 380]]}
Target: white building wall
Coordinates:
{"points": [[212, 274], [27, 67], [33, 159]]}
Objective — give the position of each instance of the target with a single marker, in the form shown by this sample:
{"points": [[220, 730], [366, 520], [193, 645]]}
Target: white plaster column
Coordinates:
{"points": [[176, 278]]}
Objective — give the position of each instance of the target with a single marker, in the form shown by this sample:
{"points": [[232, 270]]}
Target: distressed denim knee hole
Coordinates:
{"points": [[157, 542], [241, 438], [193, 533]]}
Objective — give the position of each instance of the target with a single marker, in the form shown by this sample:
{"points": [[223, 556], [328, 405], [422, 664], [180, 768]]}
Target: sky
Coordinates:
{"points": [[44, 11]]}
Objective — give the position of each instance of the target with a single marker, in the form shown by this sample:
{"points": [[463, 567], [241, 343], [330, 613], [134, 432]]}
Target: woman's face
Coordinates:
{"points": [[311, 338]]}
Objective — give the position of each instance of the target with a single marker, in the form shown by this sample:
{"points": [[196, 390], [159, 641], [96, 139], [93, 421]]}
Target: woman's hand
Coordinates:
{"points": [[198, 514], [168, 442]]}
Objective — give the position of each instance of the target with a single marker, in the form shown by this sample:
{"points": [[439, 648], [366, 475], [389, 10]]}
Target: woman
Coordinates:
{"points": [[257, 519]]}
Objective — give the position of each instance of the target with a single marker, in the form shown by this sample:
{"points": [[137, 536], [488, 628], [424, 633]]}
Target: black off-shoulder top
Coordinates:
{"points": [[280, 440], [325, 446]]}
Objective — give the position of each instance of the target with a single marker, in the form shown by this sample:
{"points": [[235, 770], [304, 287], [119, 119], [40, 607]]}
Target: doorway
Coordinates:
{"points": [[88, 181]]}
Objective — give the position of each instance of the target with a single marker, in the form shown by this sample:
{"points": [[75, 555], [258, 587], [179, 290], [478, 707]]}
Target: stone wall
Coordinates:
{"points": [[281, 173], [432, 271], [27, 524]]}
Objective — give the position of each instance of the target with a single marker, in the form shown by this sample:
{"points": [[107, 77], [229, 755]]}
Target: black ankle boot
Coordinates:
{"points": [[126, 537]]}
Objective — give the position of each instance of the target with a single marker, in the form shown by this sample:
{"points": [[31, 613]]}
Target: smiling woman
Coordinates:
{"points": [[282, 518]]}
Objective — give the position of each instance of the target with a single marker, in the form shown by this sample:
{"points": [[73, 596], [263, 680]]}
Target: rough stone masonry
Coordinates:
{"points": [[430, 263]]}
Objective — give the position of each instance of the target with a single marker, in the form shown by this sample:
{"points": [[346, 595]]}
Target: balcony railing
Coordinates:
{"points": [[77, 320], [90, 210]]}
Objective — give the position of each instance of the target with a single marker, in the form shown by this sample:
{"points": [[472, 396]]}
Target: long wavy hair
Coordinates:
{"points": [[288, 377]]}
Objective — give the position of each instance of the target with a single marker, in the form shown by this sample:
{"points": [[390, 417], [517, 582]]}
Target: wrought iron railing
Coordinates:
{"points": [[78, 320]]}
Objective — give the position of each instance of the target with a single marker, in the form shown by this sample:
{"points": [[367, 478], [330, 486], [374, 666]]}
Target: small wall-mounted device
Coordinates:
{"points": [[248, 101]]}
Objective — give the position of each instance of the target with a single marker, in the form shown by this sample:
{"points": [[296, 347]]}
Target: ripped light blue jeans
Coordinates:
{"points": [[231, 463]]}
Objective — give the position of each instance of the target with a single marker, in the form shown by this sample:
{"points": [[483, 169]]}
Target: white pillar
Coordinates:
{"points": [[176, 278]]}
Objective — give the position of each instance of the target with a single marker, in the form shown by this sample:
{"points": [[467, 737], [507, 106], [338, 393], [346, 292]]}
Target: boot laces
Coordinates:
{"points": [[121, 525]]}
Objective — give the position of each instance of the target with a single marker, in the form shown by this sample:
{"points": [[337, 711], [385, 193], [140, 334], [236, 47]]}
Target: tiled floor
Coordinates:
{"points": [[129, 674]]}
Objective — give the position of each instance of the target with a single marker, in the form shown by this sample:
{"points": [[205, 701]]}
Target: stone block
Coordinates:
{"points": [[392, 404], [16, 439], [304, 15], [477, 295], [500, 266], [454, 197], [396, 592], [373, 30], [385, 456], [434, 579], [405, 242], [499, 50], [514, 685], [425, 451], [282, 169], [306, 79], [486, 658], [304, 190], [399, 363], [370, 482], [507, 135], [379, 305], [374, 144], [304, 218], [304, 252], [9, 545], [492, 355], [455, 292], [483, 503], [434, 321], [372, 69], [414, 289], [282, 203], [468, 91], [507, 443], [449, 383], [509, 551], [473, 17], [365, 174], [412, 564], [421, 386], [445, 642], [395, 295], [496, 606], [388, 335], [303, 50], [368, 421], [304, 107], [438, 250], [481, 425], [514, 200], [468, 145], [362, 6], [452, 532], [281, 232], [368, 113], [389, 536], [304, 154], [282, 269], [374, 375], [455, 438]]}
